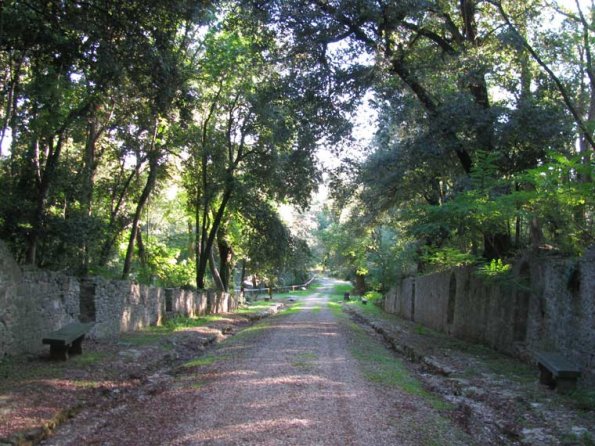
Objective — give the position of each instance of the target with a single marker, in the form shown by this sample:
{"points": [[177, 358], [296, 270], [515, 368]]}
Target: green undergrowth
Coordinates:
{"points": [[336, 295], [178, 323], [249, 332], [20, 369], [292, 309], [23, 369], [371, 307], [255, 307], [495, 362], [336, 309], [204, 360], [154, 334], [381, 366], [582, 399], [313, 288], [88, 359]]}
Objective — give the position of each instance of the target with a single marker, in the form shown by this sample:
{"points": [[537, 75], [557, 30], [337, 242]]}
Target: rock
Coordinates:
{"points": [[131, 354], [579, 431], [536, 436], [436, 367]]}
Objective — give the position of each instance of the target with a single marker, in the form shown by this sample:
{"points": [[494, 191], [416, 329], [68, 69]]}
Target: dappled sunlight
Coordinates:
{"points": [[241, 430], [288, 380]]}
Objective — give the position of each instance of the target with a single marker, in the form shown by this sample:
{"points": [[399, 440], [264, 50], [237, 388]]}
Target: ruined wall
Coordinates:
{"points": [[34, 303], [548, 306], [10, 277]]}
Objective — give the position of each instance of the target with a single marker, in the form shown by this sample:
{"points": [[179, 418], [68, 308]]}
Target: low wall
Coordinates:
{"points": [[34, 303], [550, 305]]}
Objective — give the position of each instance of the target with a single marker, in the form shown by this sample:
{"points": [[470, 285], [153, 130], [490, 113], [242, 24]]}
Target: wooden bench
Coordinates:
{"points": [[556, 371], [67, 340]]}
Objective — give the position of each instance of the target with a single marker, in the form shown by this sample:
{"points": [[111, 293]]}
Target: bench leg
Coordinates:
{"points": [[565, 385], [59, 352], [546, 377], [77, 346]]}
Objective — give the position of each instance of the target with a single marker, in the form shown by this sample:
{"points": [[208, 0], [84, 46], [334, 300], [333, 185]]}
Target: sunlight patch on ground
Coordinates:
{"points": [[252, 427]]}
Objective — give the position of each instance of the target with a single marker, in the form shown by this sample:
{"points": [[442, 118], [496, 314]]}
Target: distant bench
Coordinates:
{"points": [[67, 340], [557, 371]]}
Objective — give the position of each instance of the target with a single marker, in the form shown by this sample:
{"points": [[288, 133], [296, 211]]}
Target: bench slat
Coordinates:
{"points": [[558, 365], [68, 333]]}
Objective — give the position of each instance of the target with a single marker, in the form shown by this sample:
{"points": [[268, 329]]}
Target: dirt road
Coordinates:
{"points": [[300, 378]]}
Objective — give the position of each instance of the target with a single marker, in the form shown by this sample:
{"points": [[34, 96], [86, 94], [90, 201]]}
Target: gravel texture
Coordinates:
{"points": [[290, 380], [309, 376]]}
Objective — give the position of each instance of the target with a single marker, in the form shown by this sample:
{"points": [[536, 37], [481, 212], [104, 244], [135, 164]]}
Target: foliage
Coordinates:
{"points": [[110, 116], [449, 258], [495, 270], [474, 156]]}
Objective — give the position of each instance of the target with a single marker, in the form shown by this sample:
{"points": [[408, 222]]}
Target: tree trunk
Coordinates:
{"points": [[116, 225], [243, 275], [360, 284], [149, 186], [45, 179], [225, 257], [88, 184], [207, 246], [142, 252], [215, 273], [496, 246]]}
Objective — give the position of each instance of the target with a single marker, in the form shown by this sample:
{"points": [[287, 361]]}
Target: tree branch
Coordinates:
{"points": [[565, 96]]}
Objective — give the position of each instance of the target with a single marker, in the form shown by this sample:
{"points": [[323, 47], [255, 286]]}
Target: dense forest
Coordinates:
{"points": [[159, 140]]}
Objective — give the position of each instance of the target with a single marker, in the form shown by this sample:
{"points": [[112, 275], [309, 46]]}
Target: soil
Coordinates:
{"points": [[295, 378]]}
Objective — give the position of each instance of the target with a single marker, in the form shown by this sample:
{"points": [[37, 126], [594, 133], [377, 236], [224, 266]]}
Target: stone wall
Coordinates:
{"points": [[33, 303], [548, 306]]}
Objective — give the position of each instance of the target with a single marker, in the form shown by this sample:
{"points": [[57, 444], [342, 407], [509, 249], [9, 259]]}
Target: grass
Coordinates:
{"points": [[179, 322], [21, 369], [381, 366], [339, 290], [86, 384], [496, 363], [313, 288], [585, 439], [335, 308], [154, 334], [304, 360], [255, 307], [88, 359], [293, 309], [583, 399], [204, 360]]}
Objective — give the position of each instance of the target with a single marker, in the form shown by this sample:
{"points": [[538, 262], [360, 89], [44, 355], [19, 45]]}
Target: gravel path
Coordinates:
{"points": [[290, 380]]}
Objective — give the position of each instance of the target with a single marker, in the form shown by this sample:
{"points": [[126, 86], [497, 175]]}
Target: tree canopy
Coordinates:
{"points": [[158, 140]]}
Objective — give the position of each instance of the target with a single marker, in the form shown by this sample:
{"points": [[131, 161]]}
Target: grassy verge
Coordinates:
{"points": [[378, 364], [381, 366], [255, 307]]}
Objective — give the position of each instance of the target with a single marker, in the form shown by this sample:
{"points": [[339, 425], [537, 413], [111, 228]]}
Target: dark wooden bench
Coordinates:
{"points": [[556, 371], [67, 340]]}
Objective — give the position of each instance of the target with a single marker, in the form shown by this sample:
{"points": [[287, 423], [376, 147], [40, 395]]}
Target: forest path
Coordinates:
{"points": [[299, 378]]}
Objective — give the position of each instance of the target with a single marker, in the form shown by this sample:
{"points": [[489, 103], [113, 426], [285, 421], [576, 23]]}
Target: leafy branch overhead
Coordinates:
{"points": [[162, 141]]}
